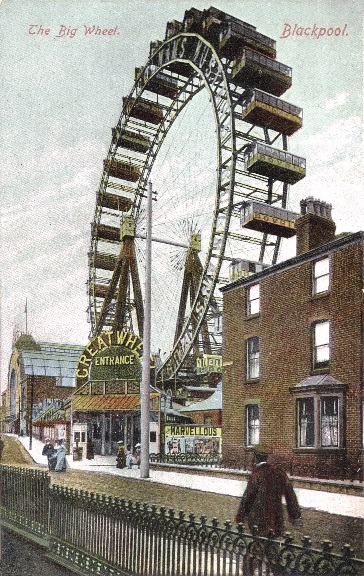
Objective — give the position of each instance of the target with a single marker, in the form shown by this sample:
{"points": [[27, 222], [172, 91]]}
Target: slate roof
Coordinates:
{"points": [[319, 382], [55, 360], [214, 402]]}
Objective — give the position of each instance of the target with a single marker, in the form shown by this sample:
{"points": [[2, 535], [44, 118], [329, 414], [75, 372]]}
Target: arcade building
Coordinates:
{"points": [[79, 393], [41, 378]]}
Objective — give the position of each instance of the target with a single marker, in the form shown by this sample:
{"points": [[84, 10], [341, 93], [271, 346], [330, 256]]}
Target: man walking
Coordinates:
{"points": [[261, 503], [1, 447]]}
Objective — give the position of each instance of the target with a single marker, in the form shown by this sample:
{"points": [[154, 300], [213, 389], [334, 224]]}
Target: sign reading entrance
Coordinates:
{"points": [[111, 356], [116, 363]]}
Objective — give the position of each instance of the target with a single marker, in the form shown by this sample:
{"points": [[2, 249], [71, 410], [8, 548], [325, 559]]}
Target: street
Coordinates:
{"points": [[21, 558]]}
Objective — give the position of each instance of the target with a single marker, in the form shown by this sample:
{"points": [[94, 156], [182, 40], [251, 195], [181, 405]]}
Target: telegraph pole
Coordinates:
{"points": [[145, 385], [31, 411], [26, 315]]}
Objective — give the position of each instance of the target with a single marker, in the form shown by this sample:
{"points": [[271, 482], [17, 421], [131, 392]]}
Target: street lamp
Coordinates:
{"points": [[145, 385], [31, 412]]}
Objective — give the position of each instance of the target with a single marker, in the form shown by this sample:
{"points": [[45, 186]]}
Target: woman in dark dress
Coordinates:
{"points": [[89, 449], [49, 451]]}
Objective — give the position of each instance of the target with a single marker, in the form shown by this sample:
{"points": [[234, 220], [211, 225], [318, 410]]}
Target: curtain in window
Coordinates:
{"points": [[329, 421], [306, 422], [252, 412], [253, 357]]}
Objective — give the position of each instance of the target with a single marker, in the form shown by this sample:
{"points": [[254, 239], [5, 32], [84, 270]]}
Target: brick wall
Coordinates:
{"points": [[199, 417], [45, 387]]}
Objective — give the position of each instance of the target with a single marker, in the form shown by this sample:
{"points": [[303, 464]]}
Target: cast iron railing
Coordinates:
{"points": [[188, 459], [24, 497], [99, 535]]}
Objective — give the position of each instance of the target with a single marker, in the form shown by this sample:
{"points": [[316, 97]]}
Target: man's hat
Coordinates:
{"points": [[261, 449], [137, 445], [120, 442]]}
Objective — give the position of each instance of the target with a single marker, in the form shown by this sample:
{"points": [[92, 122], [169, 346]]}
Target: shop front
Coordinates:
{"points": [[107, 399], [113, 418]]}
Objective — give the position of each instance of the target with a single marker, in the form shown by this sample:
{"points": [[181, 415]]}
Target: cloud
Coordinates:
{"points": [[340, 139], [337, 101]]}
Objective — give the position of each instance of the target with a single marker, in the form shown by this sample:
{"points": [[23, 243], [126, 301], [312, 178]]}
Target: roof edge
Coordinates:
{"points": [[340, 242]]}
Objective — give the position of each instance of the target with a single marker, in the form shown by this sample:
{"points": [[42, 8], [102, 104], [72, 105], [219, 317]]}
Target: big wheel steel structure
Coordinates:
{"points": [[236, 65]]}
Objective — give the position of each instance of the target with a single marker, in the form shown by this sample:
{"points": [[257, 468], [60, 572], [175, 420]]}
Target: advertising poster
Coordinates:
{"points": [[96, 113]]}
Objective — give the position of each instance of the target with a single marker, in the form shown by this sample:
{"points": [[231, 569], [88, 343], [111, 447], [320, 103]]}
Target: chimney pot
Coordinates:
{"points": [[315, 226], [310, 204]]}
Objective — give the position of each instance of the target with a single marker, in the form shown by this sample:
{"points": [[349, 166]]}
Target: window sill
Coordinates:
{"points": [[252, 316], [320, 295], [321, 370], [252, 381], [316, 450]]}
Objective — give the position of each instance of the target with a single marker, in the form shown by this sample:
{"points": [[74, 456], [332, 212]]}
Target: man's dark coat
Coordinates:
{"points": [[261, 503]]}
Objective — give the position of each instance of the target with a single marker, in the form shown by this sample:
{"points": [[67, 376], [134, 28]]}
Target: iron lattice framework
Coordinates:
{"points": [[228, 58]]}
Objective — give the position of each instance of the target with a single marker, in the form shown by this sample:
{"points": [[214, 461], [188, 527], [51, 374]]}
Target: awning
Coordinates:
{"points": [[110, 402], [322, 383]]}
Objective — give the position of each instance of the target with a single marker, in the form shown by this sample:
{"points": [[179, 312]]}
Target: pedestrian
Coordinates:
{"points": [[120, 455], [137, 455], [49, 451], [61, 462], [89, 449], [129, 457], [261, 503], [1, 447]]}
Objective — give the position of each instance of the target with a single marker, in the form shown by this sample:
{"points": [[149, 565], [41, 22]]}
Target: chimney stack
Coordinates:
{"points": [[315, 226]]}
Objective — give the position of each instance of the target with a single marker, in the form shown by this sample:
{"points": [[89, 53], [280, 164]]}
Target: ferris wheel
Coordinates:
{"points": [[205, 124]]}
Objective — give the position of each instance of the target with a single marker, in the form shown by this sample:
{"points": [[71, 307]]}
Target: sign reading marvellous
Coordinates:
{"points": [[111, 356], [192, 430]]}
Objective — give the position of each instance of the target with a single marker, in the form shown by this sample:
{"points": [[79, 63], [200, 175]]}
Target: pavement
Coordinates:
{"points": [[340, 504]]}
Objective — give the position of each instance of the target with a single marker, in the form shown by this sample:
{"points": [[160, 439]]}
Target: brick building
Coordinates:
{"points": [[208, 411], [40, 374], [293, 354]]}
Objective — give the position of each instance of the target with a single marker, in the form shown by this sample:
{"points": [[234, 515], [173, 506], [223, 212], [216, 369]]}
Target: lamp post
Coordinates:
{"points": [[145, 386], [31, 412]]}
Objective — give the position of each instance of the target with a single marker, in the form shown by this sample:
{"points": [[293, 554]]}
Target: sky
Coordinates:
{"points": [[61, 93]]}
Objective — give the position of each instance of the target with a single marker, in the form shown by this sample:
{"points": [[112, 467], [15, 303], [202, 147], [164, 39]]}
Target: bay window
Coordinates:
{"points": [[319, 420], [329, 421], [306, 422]]}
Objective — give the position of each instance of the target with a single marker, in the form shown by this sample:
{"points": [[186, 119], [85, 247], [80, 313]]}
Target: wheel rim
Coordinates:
{"points": [[211, 72]]}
